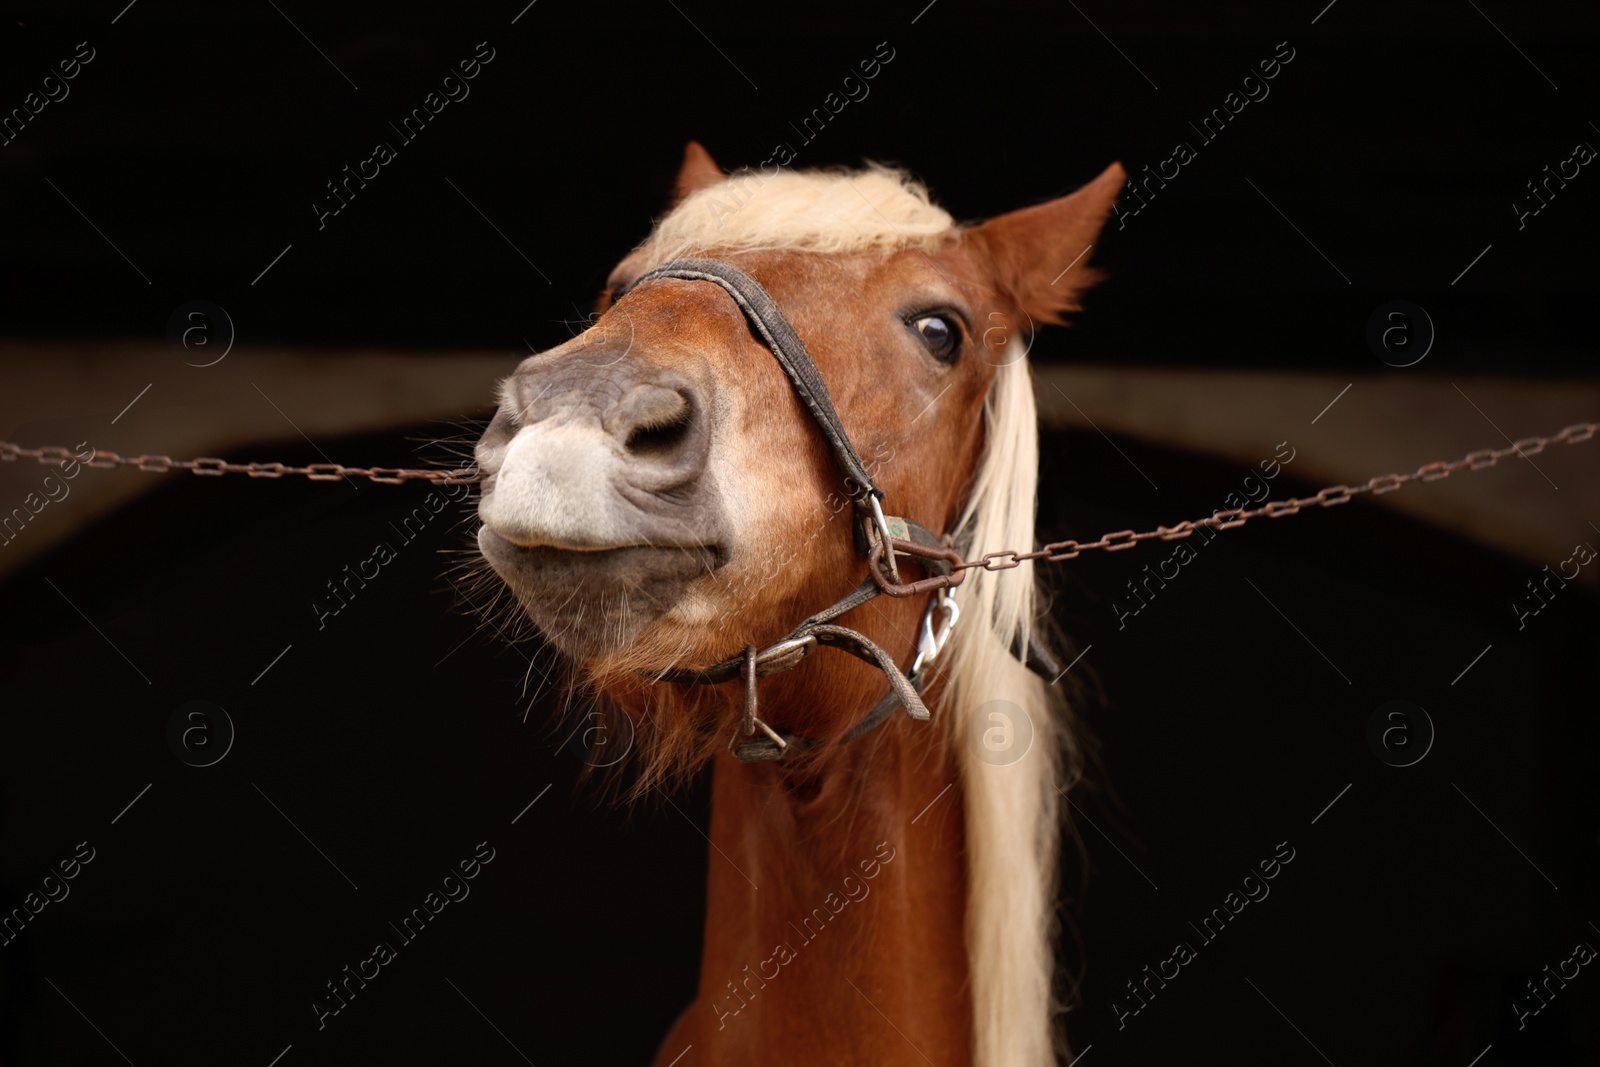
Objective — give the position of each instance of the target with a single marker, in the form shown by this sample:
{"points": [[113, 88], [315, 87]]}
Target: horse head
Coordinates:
{"points": [[655, 494]]}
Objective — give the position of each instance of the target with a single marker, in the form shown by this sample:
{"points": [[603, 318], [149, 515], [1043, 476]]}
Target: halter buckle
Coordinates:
{"points": [[752, 721], [792, 649]]}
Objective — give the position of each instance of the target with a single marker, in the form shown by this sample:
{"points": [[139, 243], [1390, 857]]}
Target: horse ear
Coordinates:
{"points": [[1039, 253], [698, 171]]}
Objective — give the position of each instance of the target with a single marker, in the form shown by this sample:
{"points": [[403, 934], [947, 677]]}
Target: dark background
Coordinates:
{"points": [[197, 140]]}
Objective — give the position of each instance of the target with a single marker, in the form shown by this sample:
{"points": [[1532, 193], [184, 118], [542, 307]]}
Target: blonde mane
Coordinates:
{"points": [[812, 211], [1013, 811]]}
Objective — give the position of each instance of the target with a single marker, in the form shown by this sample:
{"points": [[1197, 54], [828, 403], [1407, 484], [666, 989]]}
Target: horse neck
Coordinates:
{"points": [[835, 908]]}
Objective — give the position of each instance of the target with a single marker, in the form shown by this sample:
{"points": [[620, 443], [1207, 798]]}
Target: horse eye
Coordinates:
{"points": [[940, 335]]}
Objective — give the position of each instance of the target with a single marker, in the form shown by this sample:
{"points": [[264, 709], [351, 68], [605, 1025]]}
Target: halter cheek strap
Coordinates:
{"points": [[769, 322]]}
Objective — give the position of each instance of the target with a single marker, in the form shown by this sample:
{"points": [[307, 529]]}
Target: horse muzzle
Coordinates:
{"points": [[598, 503]]}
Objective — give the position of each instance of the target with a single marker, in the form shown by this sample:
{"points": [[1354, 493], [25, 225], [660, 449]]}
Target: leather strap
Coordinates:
{"points": [[768, 320], [1039, 660], [770, 745]]}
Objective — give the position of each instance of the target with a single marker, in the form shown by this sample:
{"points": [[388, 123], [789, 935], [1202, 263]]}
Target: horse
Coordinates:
{"points": [[663, 499]]}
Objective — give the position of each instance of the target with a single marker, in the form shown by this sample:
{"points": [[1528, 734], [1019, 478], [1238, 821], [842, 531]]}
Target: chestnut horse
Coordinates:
{"points": [[658, 497]]}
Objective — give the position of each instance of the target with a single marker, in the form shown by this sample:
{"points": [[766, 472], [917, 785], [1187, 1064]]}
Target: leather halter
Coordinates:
{"points": [[873, 529]]}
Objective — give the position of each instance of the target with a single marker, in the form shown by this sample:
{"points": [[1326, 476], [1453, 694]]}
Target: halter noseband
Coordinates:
{"points": [[873, 531]]}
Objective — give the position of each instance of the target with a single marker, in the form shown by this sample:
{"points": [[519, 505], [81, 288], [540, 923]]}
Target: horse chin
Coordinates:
{"points": [[595, 605]]}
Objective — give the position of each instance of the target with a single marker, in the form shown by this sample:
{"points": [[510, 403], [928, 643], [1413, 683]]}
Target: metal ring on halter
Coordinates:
{"points": [[777, 738], [884, 535], [749, 690], [912, 548], [751, 719]]}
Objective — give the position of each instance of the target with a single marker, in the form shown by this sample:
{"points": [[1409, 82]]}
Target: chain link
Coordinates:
{"points": [[1055, 552], [1332, 496], [210, 465]]}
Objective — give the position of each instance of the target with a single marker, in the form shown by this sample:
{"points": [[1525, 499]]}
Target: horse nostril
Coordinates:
{"points": [[661, 425]]}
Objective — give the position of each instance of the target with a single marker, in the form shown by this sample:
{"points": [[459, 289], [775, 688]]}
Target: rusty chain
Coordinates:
{"points": [[210, 465], [1005, 559], [1225, 519], [1332, 496]]}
